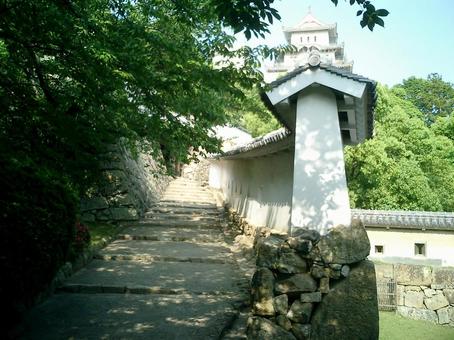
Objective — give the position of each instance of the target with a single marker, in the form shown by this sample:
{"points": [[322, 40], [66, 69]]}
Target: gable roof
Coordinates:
{"points": [[371, 88]]}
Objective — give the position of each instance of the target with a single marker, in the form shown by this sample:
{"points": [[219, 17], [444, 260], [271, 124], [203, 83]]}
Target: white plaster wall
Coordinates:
{"points": [[322, 38], [399, 245], [320, 195], [259, 189]]}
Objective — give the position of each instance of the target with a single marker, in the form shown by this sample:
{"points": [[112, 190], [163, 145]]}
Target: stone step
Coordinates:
{"points": [[173, 224], [168, 234], [186, 205], [184, 211], [180, 217], [186, 201], [129, 316], [188, 195], [152, 278], [172, 249]]}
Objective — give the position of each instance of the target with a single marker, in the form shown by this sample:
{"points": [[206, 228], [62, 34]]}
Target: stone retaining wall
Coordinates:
{"points": [[128, 187], [422, 292], [310, 287]]}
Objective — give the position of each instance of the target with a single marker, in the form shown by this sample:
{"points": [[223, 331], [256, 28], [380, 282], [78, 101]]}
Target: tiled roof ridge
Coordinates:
{"points": [[271, 137], [406, 219]]}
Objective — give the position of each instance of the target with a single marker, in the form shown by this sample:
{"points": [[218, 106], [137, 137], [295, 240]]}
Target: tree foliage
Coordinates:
{"points": [[370, 15], [407, 165], [432, 96]]}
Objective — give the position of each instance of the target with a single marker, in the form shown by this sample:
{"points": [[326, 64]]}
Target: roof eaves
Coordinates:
{"points": [[259, 142]]}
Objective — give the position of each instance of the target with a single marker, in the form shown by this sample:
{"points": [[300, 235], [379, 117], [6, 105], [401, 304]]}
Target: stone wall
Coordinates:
{"points": [[197, 171], [422, 292], [129, 186], [311, 287]]}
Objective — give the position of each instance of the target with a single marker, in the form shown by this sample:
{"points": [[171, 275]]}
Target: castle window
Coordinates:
{"points": [[301, 39], [420, 249], [379, 249], [315, 38], [307, 39]]}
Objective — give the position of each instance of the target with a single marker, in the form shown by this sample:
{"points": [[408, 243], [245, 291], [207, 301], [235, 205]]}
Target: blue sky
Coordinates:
{"points": [[418, 37]]}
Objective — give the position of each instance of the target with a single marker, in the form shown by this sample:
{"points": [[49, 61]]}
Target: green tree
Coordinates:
{"points": [[432, 96], [407, 165]]}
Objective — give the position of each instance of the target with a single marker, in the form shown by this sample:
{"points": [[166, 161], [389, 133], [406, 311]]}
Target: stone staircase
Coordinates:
{"points": [[169, 276]]}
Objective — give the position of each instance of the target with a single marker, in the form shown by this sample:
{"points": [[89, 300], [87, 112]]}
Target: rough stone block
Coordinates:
{"points": [[443, 316], [268, 251], [436, 302], [417, 314], [300, 312], [301, 332], [311, 297], [94, 203], [262, 287], [451, 313], [384, 271], [429, 292], [284, 322], [345, 244], [345, 270], [306, 234], [414, 299], [298, 283], [413, 288], [318, 272], [400, 293], [324, 285], [290, 263], [407, 274], [281, 304], [449, 293], [124, 214], [443, 277], [263, 329], [300, 245], [350, 310]]}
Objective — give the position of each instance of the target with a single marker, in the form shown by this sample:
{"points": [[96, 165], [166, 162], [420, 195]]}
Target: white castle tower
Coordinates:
{"points": [[309, 35]]}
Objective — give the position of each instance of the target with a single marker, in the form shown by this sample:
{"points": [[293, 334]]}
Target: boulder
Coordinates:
{"points": [[443, 316], [268, 251], [94, 203], [345, 270], [449, 293], [451, 313], [301, 332], [318, 272], [311, 297], [324, 285], [298, 283], [262, 329], [408, 274], [262, 286], [345, 244], [300, 312], [429, 292], [417, 314], [350, 310], [436, 302], [290, 263], [443, 277], [306, 234], [414, 299], [124, 214], [284, 322], [281, 304]]}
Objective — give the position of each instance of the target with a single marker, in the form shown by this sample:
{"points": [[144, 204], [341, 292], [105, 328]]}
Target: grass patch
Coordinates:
{"points": [[395, 327], [100, 231]]}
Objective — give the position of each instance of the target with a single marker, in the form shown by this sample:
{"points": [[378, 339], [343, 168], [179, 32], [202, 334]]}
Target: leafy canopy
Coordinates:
{"points": [[407, 165]]}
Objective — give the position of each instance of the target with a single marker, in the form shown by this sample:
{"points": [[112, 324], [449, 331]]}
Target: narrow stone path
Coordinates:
{"points": [[168, 276]]}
